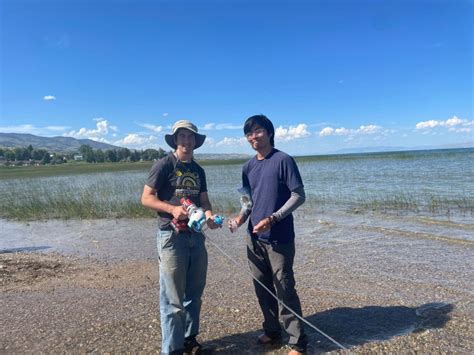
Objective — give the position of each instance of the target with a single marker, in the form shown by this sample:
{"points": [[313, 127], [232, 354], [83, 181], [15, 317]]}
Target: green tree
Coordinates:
{"points": [[46, 159], [99, 155], [9, 155], [88, 153], [150, 154], [38, 154], [161, 153], [135, 156], [123, 154], [111, 155]]}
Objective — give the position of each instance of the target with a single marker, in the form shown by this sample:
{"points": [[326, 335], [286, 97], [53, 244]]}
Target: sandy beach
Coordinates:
{"points": [[391, 285]]}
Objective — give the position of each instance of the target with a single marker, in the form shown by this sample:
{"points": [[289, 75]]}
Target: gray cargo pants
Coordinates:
{"points": [[272, 265]]}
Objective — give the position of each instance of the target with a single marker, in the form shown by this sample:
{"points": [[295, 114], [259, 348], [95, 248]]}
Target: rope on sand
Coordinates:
{"points": [[273, 295]]}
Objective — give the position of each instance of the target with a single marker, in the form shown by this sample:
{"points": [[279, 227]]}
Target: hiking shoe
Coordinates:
{"points": [[192, 347]]}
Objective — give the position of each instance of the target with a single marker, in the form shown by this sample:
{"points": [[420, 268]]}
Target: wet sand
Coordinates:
{"points": [[378, 284]]}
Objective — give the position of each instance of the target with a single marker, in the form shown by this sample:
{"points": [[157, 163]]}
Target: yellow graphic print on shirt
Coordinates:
{"points": [[188, 184]]}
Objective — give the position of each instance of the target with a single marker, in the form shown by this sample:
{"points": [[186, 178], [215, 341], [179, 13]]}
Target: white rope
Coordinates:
{"points": [[273, 295]]}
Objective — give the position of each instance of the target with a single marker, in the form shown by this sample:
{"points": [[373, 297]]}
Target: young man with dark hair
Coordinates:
{"points": [[273, 180], [181, 251]]}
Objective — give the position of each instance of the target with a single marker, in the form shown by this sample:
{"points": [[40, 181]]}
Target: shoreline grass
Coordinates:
{"points": [[112, 190], [97, 203]]}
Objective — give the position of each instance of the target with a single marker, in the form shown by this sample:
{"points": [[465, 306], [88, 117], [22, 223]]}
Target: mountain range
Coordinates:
{"points": [[51, 144], [71, 145]]}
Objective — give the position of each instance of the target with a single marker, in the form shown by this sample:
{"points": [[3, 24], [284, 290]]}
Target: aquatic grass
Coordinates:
{"points": [[357, 184], [119, 200], [96, 197]]}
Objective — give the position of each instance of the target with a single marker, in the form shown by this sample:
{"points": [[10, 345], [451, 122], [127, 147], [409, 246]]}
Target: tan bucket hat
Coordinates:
{"points": [[169, 138]]}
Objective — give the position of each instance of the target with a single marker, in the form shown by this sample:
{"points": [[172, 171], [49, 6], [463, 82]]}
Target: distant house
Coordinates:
{"points": [[78, 157]]}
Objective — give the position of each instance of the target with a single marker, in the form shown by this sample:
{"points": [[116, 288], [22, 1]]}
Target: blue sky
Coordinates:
{"points": [[331, 75]]}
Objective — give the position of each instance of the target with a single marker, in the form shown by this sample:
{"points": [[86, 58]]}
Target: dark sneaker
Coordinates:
{"points": [[192, 347]]}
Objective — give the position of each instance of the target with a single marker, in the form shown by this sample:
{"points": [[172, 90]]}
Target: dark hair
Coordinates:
{"points": [[263, 121]]}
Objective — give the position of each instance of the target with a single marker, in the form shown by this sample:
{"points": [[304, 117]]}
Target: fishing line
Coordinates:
{"points": [[272, 294]]}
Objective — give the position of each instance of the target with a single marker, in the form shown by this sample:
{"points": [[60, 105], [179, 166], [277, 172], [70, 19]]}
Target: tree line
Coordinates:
{"points": [[21, 155]]}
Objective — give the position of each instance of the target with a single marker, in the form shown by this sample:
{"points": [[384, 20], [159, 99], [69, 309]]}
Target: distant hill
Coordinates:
{"points": [[51, 144], [69, 144]]}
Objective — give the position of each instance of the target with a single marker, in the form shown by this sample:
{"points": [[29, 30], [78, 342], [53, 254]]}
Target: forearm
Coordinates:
{"points": [[207, 207], [296, 199], [156, 204]]}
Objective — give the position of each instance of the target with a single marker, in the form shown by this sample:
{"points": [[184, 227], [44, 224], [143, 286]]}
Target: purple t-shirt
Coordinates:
{"points": [[270, 182]]}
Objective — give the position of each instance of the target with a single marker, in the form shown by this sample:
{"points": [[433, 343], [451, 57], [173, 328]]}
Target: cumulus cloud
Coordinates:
{"points": [[101, 130], [342, 131], [292, 132], [453, 124], [49, 98], [137, 141], [165, 114], [327, 131]]}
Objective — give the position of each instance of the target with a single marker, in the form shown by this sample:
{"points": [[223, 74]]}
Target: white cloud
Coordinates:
{"points": [[454, 124], [134, 140], [208, 126], [56, 128], [31, 129], [220, 126], [427, 124], [152, 127], [342, 131], [165, 114], [231, 141], [370, 129], [49, 98], [327, 131], [101, 130], [292, 132], [454, 121]]}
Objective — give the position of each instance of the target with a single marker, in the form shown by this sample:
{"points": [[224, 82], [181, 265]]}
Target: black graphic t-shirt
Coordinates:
{"points": [[173, 180]]}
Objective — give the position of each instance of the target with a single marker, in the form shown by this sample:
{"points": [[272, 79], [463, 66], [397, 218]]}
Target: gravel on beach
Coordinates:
{"points": [[92, 286]]}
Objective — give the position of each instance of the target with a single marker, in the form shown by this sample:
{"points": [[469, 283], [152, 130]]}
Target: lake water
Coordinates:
{"points": [[435, 183]]}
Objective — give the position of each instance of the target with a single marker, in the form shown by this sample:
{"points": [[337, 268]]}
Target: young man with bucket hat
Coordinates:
{"points": [[181, 251]]}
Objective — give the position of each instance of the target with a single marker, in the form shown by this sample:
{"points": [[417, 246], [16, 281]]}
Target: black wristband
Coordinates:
{"points": [[273, 220]]}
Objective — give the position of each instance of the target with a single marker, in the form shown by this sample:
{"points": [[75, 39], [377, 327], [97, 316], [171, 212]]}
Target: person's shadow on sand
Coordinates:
{"points": [[350, 327]]}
